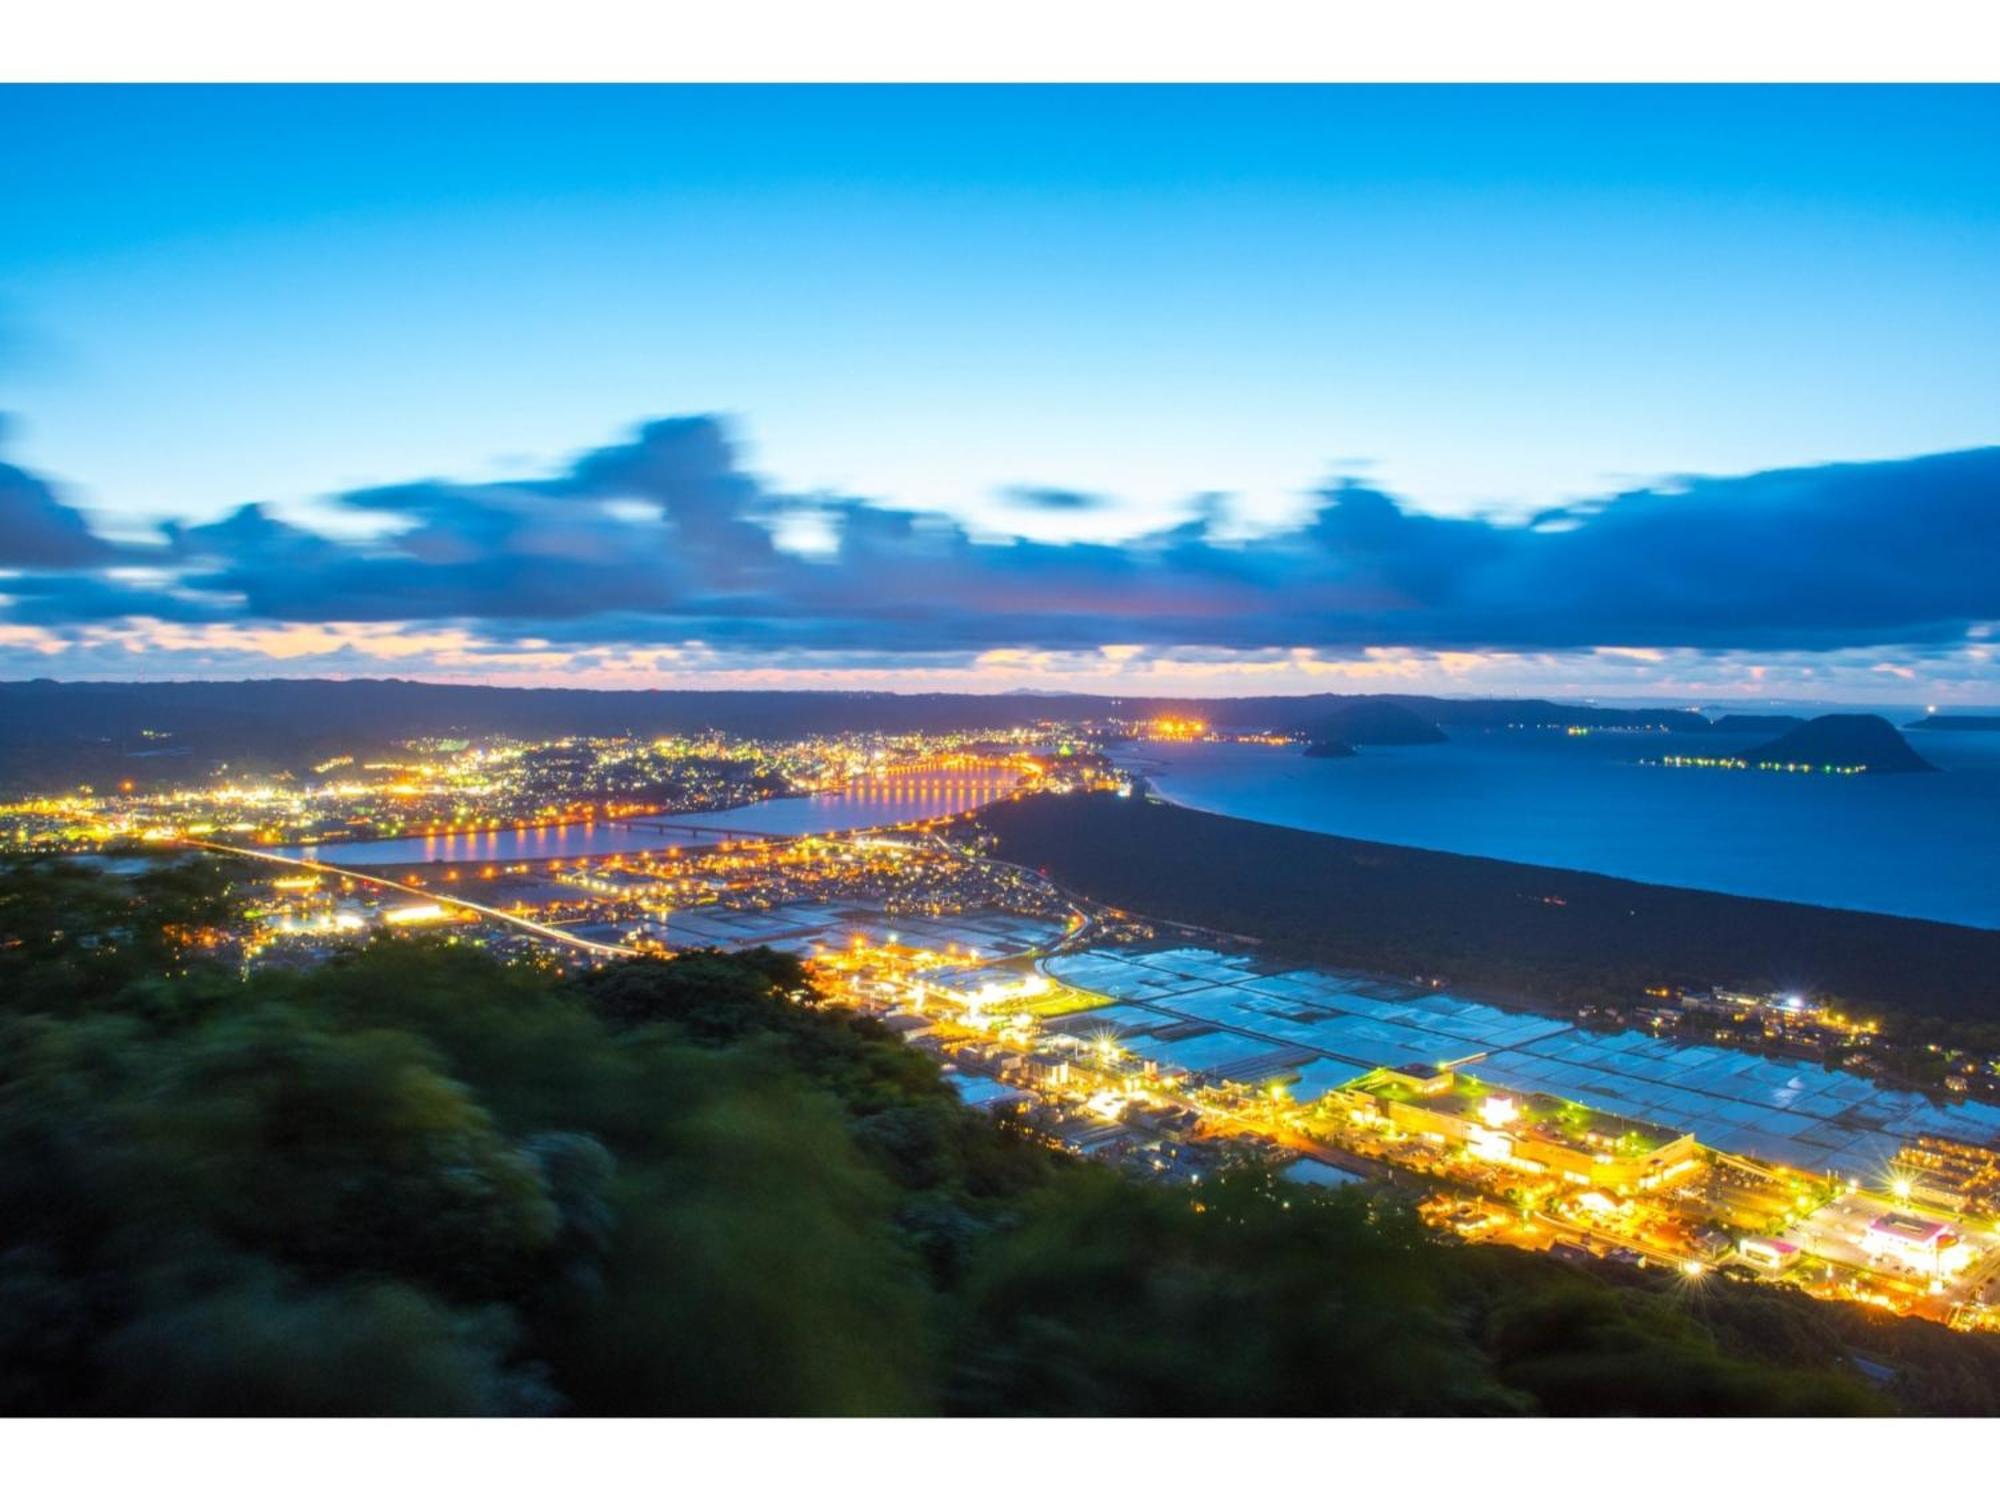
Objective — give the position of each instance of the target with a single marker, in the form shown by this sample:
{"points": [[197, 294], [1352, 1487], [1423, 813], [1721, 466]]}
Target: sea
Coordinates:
{"points": [[1916, 845]]}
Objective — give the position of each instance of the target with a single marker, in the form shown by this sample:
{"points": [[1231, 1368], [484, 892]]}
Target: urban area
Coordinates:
{"points": [[1702, 1133]]}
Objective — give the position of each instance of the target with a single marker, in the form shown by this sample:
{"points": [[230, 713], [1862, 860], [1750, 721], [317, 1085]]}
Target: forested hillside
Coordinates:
{"points": [[415, 1181]]}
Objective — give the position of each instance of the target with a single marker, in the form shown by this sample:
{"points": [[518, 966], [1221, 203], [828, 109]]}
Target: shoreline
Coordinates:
{"points": [[1564, 937]]}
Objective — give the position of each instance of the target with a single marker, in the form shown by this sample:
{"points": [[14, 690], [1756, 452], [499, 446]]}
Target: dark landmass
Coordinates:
{"points": [[1868, 741], [1372, 722], [60, 734], [1756, 723], [417, 1182], [1542, 935], [1328, 750], [1960, 722]]}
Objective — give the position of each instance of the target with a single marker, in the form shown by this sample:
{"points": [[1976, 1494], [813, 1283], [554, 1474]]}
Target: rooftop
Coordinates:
{"points": [[1909, 1227], [1545, 1116]]}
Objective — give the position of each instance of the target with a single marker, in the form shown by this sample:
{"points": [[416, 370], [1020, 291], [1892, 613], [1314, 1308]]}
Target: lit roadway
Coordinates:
{"points": [[539, 929], [491, 913]]}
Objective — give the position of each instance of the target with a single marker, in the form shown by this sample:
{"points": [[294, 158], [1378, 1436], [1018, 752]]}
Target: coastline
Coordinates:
{"points": [[1545, 935]]}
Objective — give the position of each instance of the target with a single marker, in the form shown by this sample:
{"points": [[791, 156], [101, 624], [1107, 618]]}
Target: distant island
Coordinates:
{"points": [[1367, 721], [1841, 742], [1328, 750], [1960, 722]]}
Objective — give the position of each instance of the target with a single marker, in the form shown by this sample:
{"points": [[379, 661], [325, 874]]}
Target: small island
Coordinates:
{"points": [[1328, 750], [1846, 743]]}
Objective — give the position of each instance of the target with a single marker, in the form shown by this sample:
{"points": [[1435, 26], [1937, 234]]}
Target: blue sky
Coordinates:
{"points": [[1478, 301]]}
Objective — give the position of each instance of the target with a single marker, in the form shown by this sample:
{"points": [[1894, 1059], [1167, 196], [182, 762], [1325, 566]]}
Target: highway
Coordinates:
{"points": [[490, 913], [539, 929]]}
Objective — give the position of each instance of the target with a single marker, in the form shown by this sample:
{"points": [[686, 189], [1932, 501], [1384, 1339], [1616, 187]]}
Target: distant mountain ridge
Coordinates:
{"points": [[56, 734]]}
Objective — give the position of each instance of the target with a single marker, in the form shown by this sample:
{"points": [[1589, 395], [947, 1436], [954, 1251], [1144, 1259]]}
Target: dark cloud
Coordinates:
{"points": [[37, 530], [666, 539]]}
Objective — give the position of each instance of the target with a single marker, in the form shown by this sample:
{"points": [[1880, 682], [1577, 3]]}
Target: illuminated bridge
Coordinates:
{"points": [[382, 882], [655, 824]]}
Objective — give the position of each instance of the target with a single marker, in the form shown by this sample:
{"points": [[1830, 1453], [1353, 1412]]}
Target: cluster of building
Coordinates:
{"points": [[1803, 1026], [1078, 1027], [886, 891], [1960, 1177], [1787, 1017], [1522, 1127], [299, 919], [449, 786], [1534, 1133]]}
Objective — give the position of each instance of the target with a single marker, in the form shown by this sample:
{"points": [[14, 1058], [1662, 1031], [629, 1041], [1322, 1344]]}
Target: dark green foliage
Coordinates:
{"points": [[417, 1181], [1119, 1298], [71, 935], [710, 997], [1585, 1349]]}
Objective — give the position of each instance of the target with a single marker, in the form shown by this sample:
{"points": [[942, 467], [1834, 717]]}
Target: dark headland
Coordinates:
{"points": [[1962, 723], [1843, 742], [1490, 925], [1371, 721]]}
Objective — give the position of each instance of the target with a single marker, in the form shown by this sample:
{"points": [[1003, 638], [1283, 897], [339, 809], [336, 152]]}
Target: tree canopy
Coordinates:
{"points": [[415, 1180]]}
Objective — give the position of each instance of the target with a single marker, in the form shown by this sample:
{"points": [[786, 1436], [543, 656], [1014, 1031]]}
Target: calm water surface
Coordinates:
{"points": [[868, 804], [1914, 845]]}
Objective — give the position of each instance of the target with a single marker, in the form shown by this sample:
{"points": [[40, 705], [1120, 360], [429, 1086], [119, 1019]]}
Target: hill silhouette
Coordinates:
{"points": [[1368, 722], [1866, 742], [55, 734]]}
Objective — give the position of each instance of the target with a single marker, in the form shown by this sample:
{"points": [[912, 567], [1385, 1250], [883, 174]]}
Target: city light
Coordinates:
{"points": [[897, 921]]}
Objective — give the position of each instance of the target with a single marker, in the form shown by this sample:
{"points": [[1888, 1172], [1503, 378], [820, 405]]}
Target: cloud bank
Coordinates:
{"points": [[666, 541]]}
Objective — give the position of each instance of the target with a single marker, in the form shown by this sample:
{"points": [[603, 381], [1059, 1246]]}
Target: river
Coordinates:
{"points": [[865, 804]]}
